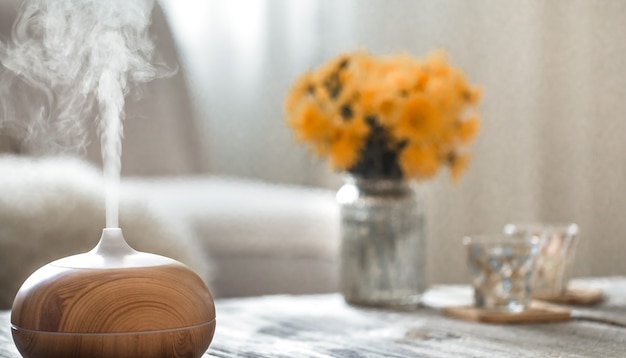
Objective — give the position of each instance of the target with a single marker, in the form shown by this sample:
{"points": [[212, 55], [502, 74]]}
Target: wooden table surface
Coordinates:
{"points": [[324, 326]]}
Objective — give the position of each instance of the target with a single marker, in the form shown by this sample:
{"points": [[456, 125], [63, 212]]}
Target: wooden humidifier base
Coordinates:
{"points": [[125, 305], [180, 342]]}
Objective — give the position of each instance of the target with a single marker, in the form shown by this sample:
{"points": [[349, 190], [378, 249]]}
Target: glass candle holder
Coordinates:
{"points": [[501, 270], [555, 257]]}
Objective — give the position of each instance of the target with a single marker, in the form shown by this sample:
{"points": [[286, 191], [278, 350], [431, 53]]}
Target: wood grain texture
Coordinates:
{"points": [[325, 326], [152, 311], [188, 342]]}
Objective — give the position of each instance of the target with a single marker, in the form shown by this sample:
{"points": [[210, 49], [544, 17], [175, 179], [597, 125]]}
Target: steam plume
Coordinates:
{"points": [[70, 62]]}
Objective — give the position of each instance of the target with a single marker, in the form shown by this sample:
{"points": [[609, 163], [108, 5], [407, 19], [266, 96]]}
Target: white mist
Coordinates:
{"points": [[70, 61]]}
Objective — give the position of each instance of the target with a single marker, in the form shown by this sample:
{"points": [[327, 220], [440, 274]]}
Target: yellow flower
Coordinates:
{"points": [[419, 161], [349, 93], [468, 128], [363, 64], [458, 165], [347, 142], [310, 121], [368, 96], [421, 79], [299, 89], [443, 94], [386, 109], [473, 95], [398, 83], [437, 63], [417, 120]]}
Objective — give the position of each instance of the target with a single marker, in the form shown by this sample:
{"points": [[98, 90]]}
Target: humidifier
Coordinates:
{"points": [[113, 302], [82, 57]]}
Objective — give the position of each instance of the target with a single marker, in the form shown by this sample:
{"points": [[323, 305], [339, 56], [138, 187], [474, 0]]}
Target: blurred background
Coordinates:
{"points": [[552, 146]]}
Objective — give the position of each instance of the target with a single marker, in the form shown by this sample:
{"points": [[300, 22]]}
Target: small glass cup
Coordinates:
{"points": [[555, 258], [501, 269]]}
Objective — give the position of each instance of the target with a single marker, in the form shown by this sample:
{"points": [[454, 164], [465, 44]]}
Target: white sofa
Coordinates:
{"points": [[243, 237]]}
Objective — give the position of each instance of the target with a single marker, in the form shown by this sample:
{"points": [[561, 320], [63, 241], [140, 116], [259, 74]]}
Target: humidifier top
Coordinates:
{"points": [[112, 252]]}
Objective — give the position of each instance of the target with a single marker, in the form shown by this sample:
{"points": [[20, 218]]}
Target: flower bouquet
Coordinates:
{"points": [[386, 117]]}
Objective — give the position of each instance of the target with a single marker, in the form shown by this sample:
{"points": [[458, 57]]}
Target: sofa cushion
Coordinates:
{"points": [[263, 238]]}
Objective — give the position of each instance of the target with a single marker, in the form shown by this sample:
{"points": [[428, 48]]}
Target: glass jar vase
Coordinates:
{"points": [[382, 260]]}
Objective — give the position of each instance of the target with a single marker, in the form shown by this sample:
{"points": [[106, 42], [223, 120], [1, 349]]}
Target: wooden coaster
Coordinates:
{"points": [[577, 296], [537, 312]]}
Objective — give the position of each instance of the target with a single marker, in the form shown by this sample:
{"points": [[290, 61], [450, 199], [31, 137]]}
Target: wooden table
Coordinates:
{"points": [[324, 326]]}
